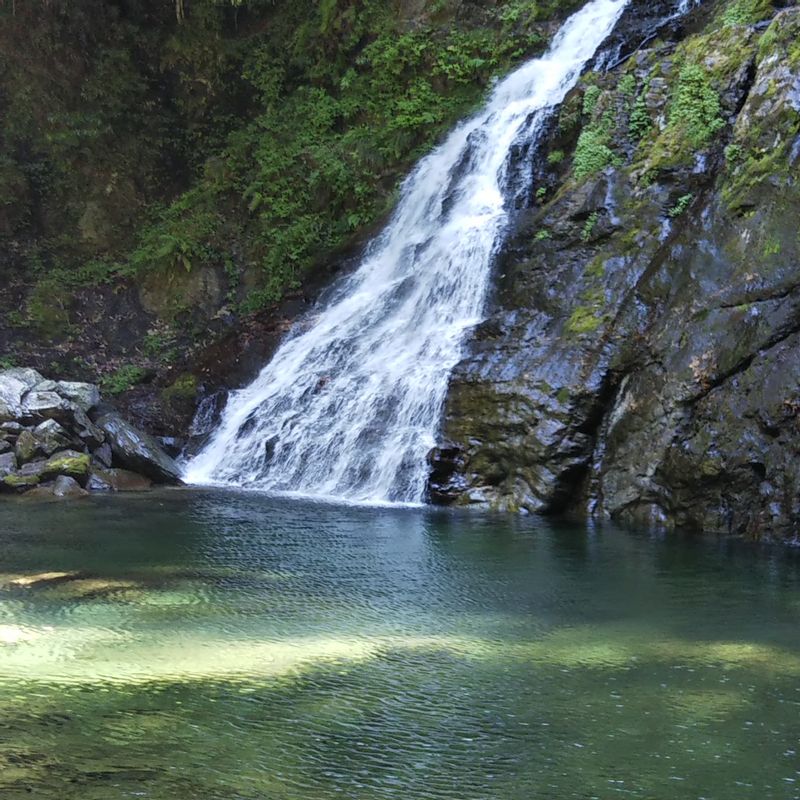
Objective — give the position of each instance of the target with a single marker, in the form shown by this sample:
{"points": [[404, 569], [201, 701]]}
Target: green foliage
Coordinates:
{"points": [[746, 12], [592, 152], [640, 122], [681, 205], [556, 157], [542, 235], [695, 112], [589, 226], [123, 379], [590, 98], [589, 316], [733, 154]]}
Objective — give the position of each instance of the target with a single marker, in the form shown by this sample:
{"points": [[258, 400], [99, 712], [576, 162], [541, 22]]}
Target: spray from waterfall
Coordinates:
{"points": [[349, 405]]}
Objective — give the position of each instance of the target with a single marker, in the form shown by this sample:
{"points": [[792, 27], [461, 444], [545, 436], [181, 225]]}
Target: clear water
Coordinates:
{"points": [[350, 403], [208, 646]]}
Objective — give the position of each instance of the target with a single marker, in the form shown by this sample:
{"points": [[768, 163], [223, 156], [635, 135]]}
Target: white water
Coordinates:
{"points": [[349, 405]]}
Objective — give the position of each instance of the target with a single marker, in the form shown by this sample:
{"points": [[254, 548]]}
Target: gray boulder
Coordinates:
{"points": [[87, 431], [138, 451], [8, 464], [43, 405], [103, 455], [26, 447], [65, 486], [50, 437], [85, 396], [14, 383]]}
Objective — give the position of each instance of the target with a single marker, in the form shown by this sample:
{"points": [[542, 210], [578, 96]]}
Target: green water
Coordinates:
{"points": [[220, 645]]}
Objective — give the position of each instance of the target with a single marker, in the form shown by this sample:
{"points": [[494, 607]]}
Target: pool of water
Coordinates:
{"points": [[204, 645]]}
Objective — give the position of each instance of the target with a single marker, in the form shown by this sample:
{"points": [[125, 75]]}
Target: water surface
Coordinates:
{"points": [[204, 645]]}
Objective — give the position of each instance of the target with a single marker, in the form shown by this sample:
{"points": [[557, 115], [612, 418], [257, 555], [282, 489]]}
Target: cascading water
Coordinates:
{"points": [[350, 403]]}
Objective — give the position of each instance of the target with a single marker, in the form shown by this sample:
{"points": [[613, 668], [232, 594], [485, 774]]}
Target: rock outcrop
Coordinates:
{"points": [[50, 447], [641, 355]]}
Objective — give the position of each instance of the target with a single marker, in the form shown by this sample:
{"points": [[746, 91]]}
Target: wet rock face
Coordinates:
{"points": [[138, 451], [50, 448], [641, 351]]}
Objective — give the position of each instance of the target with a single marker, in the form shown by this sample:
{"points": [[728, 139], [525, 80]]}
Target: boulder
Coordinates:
{"points": [[50, 437], [20, 482], [85, 396], [117, 480], [5, 446], [87, 431], [26, 447], [138, 451], [8, 464], [11, 428], [103, 455], [69, 463], [43, 405], [14, 383], [65, 486]]}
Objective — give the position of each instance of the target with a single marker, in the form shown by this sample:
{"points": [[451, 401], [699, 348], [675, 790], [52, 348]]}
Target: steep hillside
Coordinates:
{"points": [[168, 173]]}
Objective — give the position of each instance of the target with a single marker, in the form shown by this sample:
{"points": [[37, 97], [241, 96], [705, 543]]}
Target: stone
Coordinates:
{"points": [[103, 455], [68, 462], [87, 431], [8, 464], [65, 486], [117, 480], [138, 451], [43, 405], [26, 447], [85, 396], [19, 482], [5, 446], [50, 437], [11, 427], [14, 383]]}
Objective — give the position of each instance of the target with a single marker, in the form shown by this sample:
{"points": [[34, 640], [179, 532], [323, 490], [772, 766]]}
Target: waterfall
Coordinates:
{"points": [[350, 403]]}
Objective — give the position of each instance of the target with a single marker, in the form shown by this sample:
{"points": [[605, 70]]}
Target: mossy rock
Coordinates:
{"points": [[70, 463]]}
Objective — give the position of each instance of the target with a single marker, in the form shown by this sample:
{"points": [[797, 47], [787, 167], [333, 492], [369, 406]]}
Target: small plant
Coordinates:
{"points": [[590, 98], [7, 362], [733, 154], [542, 235], [541, 193], [123, 379], [640, 121], [589, 226], [556, 157], [681, 205]]}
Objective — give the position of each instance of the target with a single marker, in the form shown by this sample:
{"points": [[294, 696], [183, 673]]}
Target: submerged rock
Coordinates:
{"points": [[117, 480]]}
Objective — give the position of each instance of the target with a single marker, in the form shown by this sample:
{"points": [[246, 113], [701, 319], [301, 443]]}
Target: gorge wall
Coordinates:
{"points": [[640, 358]]}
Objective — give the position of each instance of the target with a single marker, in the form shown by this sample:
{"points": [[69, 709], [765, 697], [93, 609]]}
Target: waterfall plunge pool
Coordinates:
{"points": [[230, 646]]}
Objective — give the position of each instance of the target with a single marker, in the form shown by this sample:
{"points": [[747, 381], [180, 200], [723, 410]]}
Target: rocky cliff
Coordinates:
{"points": [[640, 357]]}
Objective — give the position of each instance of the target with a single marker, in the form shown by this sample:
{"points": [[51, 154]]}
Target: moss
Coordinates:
{"points": [[75, 466], [589, 316], [183, 390], [21, 481]]}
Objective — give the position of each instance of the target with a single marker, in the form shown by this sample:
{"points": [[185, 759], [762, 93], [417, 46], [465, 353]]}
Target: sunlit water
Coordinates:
{"points": [[223, 645]]}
